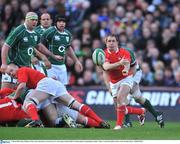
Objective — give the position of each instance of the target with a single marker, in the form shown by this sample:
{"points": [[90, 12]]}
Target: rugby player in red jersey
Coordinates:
{"points": [[46, 88], [119, 78]]}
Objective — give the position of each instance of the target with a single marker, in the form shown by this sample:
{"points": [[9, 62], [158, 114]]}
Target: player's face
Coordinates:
{"points": [[61, 25], [46, 20], [11, 71], [31, 23], [111, 43]]}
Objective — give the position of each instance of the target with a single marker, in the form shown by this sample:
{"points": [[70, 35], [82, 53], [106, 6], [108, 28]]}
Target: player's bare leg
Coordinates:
{"points": [[69, 101], [8, 85]]}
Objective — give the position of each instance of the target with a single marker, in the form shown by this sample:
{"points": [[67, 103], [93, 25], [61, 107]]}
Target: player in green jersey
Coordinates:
{"points": [[58, 40], [45, 23], [139, 99], [19, 47]]}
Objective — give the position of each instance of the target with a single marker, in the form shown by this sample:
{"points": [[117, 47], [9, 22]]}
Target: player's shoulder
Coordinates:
{"points": [[37, 29], [105, 51], [19, 29], [50, 30], [123, 50], [23, 68], [67, 32]]}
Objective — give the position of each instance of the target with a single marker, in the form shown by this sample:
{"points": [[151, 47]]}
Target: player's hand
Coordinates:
{"points": [[125, 72], [110, 91], [11, 96], [3, 68], [47, 64], [58, 57], [124, 61], [34, 60], [78, 66]]}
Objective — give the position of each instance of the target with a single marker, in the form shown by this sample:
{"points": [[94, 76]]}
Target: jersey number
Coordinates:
{"points": [[30, 51]]}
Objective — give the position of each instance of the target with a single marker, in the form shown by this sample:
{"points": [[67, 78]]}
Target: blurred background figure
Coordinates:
{"points": [[151, 28]]}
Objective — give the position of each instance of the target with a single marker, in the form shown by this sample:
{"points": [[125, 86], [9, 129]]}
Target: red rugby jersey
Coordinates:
{"points": [[10, 110], [29, 76], [115, 75]]}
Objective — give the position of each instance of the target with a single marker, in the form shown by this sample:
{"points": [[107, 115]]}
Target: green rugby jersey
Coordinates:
{"points": [[57, 42], [40, 30], [22, 43], [133, 58]]}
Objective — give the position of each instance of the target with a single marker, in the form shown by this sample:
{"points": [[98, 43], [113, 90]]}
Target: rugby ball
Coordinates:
{"points": [[98, 56]]}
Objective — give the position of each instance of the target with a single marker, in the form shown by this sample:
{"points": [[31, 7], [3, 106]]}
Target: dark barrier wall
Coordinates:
{"points": [[164, 99]]}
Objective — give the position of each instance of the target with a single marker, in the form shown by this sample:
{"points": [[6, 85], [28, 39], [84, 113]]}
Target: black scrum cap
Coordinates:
{"points": [[60, 18]]}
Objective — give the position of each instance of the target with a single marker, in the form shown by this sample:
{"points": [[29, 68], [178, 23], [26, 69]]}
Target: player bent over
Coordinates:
{"points": [[45, 88]]}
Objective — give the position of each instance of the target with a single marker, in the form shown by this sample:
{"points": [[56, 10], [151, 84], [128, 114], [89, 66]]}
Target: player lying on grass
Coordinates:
{"points": [[45, 88], [55, 115]]}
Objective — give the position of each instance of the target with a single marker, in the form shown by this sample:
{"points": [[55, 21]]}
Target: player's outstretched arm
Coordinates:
{"points": [[78, 65], [109, 66], [20, 89], [43, 58], [4, 54], [45, 51]]}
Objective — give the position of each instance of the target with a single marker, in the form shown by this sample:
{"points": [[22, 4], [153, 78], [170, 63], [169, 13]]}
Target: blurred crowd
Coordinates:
{"points": [[150, 27]]}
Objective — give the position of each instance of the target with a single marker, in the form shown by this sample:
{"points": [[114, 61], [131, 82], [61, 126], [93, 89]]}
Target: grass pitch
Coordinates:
{"points": [[150, 131]]}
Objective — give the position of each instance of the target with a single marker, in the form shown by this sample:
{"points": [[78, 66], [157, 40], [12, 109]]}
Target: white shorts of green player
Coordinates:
{"points": [[54, 113], [58, 72], [48, 88]]}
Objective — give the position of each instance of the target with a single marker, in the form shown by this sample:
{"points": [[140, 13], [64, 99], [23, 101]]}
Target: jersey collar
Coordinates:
{"points": [[59, 31], [28, 30], [112, 52]]}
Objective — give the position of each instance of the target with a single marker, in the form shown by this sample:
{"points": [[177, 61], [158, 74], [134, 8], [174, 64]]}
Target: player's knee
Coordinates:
{"points": [[29, 101], [140, 100], [137, 94], [71, 103]]}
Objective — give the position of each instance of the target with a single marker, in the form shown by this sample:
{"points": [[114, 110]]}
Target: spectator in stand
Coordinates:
{"points": [[96, 44], [168, 77], [7, 19], [175, 65], [89, 64], [24, 8], [95, 26], [147, 76], [85, 33], [98, 76], [155, 33], [88, 78], [153, 55], [177, 78], [159, 65], [141, 43], [159, 78], [136, 22], [77, 14]]}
